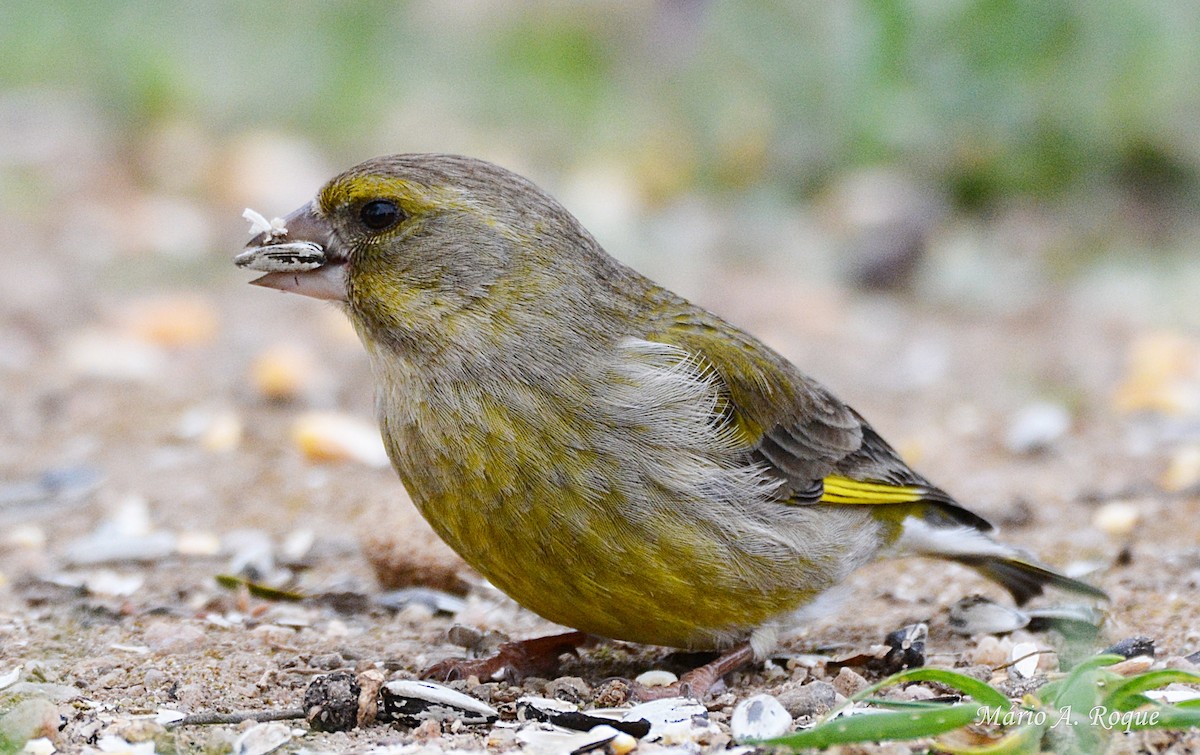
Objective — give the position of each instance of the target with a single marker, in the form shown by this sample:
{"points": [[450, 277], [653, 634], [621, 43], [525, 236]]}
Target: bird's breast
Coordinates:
{"points": [[611, 502]]}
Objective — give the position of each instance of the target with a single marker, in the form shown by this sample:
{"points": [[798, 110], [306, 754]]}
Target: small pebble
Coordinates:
{"points": [[27, 536], [115, 744], [915, 692], [28, 719], [1175, 662], [1183, 470], [1133, 647], [759, 717], [1132, 666], [991, 651], [569, 688], [197, 543], [622, 744], [327, 661], [808, 700], [331, 702], [273, 636], [170, 638], [370, 682], [1023, 658], [153, 678], [427, 730], [262, 738], [849, 682], [10, 677], [166, 716], [223, 432], [252, 552], [173, 320], [39, 746], [107, 547], [298, 543], [110, 583], [1117, 518], [656, 678], [112, 356], [284, 372], [1037, 427], [1162, 373], [329, 436], [612, 693]]}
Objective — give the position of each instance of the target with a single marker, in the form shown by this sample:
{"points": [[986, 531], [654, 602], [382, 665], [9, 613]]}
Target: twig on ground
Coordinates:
{"points": [[199, 719]]}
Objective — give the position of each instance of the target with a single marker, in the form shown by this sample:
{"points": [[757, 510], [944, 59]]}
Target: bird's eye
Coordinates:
{"points": [[380, 214]]}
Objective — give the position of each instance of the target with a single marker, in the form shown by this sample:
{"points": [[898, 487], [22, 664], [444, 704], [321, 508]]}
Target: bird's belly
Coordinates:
{"points": [[659, 579], [579, 518]]}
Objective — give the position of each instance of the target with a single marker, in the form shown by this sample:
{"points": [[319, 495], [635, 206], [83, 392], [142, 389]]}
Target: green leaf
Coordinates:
{"points": [[879, 727], [1127, 695], [1078, 689], [257, 589], [981, 692], [1170, 717]]}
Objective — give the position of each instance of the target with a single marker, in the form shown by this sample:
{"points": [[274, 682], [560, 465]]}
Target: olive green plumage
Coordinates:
{"points": [[613, 457]]}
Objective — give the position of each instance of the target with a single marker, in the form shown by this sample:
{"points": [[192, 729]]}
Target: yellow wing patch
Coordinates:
{"points": [[847, 491]]}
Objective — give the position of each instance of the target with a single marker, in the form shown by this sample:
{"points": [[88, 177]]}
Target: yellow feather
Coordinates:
{"points": [[844, 490]]}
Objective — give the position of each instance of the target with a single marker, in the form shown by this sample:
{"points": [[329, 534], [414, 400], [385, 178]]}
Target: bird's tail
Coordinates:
{"points": [[1010, 567], [1025, 578]]}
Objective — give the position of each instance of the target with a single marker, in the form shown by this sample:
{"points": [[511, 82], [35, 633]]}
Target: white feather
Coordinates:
{"points": [[923, 539]]}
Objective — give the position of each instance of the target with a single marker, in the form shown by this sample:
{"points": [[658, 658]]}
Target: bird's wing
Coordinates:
{"points": [[824, 451]]}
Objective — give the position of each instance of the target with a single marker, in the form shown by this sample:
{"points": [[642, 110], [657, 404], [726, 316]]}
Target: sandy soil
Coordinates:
{"points": [[184, 447]]}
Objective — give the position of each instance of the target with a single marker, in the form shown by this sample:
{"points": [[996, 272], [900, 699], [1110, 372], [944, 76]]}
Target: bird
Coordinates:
{"points": [[614, 458]]}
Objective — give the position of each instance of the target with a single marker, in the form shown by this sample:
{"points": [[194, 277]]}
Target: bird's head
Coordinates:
{"points": [[417, 245]]}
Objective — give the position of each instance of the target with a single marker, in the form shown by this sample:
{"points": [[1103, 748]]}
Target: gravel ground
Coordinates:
{"points": [[154, 441]]}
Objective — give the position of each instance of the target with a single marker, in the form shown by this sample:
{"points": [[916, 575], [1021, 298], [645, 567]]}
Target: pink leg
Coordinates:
{"points": [[513, 660], [698, 682]]}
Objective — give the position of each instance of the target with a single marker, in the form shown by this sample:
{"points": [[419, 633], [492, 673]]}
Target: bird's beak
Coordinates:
{"points": [[298, 254]]}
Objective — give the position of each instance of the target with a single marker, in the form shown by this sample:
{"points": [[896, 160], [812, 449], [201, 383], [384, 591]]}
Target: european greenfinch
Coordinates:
{"points": [[611, 456]]}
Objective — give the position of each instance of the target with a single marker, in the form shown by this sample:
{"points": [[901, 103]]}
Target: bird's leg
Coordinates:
{"points": [[697, 682], [512, 660]]}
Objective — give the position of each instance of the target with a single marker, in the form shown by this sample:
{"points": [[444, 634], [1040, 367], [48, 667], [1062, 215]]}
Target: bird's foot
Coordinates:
{"points": [[698, 682], [512, 661]]}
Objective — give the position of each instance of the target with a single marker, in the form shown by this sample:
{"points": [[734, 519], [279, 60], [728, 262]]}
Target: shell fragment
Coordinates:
{"points": [[290, 257], [760, 717], [411, 702]]}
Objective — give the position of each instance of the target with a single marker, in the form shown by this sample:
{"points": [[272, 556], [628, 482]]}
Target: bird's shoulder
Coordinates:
{"points": [[778, 411], [821, 449]]}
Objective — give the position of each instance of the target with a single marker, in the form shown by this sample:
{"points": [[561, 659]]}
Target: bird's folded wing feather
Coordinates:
{"points": [[823, 450]]}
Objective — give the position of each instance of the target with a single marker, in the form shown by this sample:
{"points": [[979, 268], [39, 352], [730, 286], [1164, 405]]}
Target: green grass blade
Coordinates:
{"points": [[1168, 717], [880, 727], [1078, 690], [981, 692], [257, 589], [883, 702], [1127, 695]]}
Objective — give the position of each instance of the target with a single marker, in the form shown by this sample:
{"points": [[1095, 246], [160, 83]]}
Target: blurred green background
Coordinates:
{"points": [[977, 150]]}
